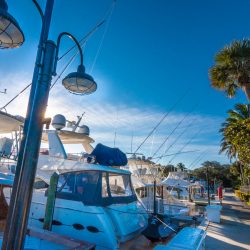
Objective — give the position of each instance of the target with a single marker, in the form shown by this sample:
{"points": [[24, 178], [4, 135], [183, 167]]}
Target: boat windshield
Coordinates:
{"points": [[95, 187]]}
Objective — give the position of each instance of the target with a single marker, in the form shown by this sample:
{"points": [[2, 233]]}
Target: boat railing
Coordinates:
{"points": [[173, 205]]}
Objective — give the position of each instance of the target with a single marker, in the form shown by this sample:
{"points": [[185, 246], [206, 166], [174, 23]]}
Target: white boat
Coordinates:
{"points": [[165, 203], [177, 184], [94, 203], [144, 173]]}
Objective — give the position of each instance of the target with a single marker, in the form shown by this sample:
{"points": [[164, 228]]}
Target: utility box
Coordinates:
{"points": [[5, 146], [213, 213]]}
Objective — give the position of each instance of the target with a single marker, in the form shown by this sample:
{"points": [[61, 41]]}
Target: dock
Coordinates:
{"points": [[233, 233]]}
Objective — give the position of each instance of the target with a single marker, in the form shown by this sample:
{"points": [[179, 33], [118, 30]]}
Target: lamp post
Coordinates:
{"points": [[45, 67]]}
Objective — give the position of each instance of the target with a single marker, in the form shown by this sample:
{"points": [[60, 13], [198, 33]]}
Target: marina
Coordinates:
{"points": [[154, 158]]}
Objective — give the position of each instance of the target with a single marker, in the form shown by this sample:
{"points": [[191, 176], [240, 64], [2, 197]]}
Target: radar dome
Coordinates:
{"points": [[83, 130], [58, 122]]}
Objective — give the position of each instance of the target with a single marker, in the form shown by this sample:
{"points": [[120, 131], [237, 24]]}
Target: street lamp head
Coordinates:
{"points": [[11, 35], [79, 82]]}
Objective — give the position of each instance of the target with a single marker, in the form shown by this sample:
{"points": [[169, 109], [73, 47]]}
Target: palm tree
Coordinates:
{"points": [[241, 112], [232, 69], [181, 166]]}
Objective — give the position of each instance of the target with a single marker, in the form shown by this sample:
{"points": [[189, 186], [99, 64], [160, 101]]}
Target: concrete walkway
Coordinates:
{"points": [[233, 233]]}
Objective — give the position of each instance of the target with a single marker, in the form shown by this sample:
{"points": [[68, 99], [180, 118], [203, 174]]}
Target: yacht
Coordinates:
{"points": [[151, 192], [93, 202]]}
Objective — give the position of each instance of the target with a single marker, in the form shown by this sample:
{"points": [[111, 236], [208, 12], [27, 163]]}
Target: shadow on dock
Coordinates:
{"points": [[233, 232]]}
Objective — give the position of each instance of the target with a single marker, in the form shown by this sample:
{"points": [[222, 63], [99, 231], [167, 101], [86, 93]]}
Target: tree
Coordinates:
{"points": [[181, 166], [238, 135], [232, 69], [164, 170], [236, 169], [217, 173], [240, 113]]}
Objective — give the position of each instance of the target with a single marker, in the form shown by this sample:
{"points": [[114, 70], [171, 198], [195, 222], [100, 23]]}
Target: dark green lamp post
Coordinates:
{"points": [[45, 67]]}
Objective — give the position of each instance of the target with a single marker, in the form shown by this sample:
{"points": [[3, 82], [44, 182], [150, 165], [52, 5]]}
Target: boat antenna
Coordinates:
{"points": [[132, 138], [180, 122], [152, 143], [78, 122], [115, 127], [162, 119]]}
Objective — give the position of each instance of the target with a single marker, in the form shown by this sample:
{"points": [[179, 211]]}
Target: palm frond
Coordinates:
{"points": [[232, 67]]}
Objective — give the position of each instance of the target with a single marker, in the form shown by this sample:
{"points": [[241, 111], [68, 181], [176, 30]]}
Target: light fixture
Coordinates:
{"points": [[79, 82], [11, 35]]}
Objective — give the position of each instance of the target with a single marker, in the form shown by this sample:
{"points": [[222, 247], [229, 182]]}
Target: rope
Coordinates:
{"points": [[182, 152], [162, 119], [104, 33], [197, 159], [84, 39], [177, 138], [4, 107], [181, 121], [185, 145]]}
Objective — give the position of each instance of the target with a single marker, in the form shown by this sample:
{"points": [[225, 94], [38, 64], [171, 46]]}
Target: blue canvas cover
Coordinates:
{"points": [[109, 156]]}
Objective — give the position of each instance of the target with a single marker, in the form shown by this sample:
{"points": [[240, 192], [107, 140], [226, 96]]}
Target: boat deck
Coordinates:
{"points": [[142, 243], [234, 230]]}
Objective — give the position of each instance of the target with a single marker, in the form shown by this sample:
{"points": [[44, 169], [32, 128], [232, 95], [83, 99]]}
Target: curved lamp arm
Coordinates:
{"points": [[58, 45], [3, 5], [39, 9]]}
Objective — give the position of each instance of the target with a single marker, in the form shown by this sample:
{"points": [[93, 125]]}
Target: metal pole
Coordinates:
{"points": [[155, 212], [38, 66], [14, 214], [15, 231], [208, 191], [37, 70]]}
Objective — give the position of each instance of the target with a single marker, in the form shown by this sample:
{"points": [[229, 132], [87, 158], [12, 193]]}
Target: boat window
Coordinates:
{"points": [[40, 184], [119, 185], [141, 192], [86, 182], [66, 183], [96, 188], [78, 185], [104, 185]]}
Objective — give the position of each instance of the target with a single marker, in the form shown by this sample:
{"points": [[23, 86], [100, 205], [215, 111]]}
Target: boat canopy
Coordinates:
{"points": [[10, 123], [69, 137], [176, 179], [96, 188]]}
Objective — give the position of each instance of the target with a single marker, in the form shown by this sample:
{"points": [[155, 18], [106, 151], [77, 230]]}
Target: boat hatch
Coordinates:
{"points": [[96, 188]]}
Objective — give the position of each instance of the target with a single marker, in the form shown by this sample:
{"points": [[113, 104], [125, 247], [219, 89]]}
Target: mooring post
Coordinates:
{"points": [[50, 205]]}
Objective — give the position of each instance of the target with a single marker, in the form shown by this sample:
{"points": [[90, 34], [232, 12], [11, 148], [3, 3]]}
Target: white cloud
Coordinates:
{"points": [[107, 119]]}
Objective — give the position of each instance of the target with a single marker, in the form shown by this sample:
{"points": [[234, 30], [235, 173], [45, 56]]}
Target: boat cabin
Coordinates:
{"points": [[96, 187]]}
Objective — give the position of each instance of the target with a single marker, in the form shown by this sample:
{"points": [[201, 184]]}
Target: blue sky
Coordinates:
{"points": [[153, 52]]}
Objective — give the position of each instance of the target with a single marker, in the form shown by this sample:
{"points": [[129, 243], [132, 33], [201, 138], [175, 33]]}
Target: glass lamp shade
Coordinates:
{"points": [[11, 36], [79, 82]]}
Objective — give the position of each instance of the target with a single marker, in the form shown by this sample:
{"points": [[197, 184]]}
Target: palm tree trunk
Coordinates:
{"points": [[242, 174], [246, 89]]}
